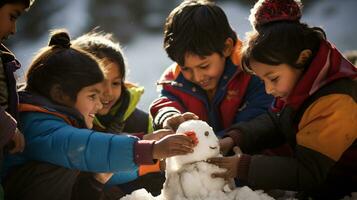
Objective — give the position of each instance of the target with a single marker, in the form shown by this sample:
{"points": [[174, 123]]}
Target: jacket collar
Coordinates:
{"points": [[30, 101]]}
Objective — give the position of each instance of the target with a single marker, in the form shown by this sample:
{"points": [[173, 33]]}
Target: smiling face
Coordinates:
{"points": [[112, 87], [88, 102], [9, 13], [204, 71], [279, 80]]}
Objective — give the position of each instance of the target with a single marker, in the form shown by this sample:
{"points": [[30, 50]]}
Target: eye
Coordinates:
{"points": [[117, 83], [183, 68], [206, 133], [203, 66], [13, 17], [93, 97], [274, 79]]}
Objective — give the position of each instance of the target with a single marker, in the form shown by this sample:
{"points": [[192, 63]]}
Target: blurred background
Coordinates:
{"points": [[138, 25]]}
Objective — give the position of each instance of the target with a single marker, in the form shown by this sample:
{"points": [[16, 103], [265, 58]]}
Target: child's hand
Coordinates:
{"points": [[230, 163], [226, 144], [103, 177], [162, 165], [17, 142], [173, 145], [175, 120], [157, 135]]}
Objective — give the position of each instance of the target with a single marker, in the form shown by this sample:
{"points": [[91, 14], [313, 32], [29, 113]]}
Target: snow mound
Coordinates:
{"points": [[188, 177]]}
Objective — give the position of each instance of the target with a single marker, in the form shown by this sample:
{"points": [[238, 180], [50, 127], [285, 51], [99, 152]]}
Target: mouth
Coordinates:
{"points": [[107, 104], [92, 115], [204, 83], [213, 147]]}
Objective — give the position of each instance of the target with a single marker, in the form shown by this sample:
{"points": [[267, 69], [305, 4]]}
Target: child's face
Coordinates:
{"points": [[112, 87], [279, 80], [88, 102], [9, 13], [204, 71]]}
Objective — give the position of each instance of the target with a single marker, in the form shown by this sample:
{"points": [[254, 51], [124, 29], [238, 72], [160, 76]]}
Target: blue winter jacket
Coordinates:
{"points": [[49, 138]]}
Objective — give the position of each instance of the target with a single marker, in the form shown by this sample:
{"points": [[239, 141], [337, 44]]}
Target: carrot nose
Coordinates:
{"points": [[192, 135]]}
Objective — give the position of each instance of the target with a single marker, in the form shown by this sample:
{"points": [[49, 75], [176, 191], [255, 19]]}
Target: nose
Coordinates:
{"points": [[197, 76], [13, 28], [268, 88], [99, 105], [108, 91]]}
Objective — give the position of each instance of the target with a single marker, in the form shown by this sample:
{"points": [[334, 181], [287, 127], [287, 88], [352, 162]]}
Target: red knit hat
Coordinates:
{"points": [[266, 11]]}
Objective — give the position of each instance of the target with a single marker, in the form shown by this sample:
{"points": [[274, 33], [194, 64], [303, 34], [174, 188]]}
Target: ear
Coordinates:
{"points": [[228, 47], [59, 96], [303, 57]]}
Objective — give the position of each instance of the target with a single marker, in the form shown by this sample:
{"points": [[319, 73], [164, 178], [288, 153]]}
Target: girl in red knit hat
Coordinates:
{"points": [[314, 111]]}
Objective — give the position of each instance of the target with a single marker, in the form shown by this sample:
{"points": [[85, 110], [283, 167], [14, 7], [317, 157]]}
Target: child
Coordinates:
{"points": [[206, 79], [57, 108], [315, 108], [10, 137], [119, 113]]}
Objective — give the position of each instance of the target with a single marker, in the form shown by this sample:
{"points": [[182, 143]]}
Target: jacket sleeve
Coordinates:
{"points": [[301, 173], [256, 101], [7, 127], [326, 131], [165, 106], [50, 139], [257, 134]]}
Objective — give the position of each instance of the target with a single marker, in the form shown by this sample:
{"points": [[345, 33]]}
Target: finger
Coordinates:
{"points": [[182, 148], [179, 152], [237, 150], [184, 139], [189, 115], [216, 160], [219, 175]]}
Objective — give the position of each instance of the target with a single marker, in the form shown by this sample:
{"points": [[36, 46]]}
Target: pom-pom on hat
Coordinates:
{"points": [[266, 11]]}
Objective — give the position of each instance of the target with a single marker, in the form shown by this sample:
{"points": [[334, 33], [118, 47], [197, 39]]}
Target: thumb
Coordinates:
{"points": [[237, 150]]}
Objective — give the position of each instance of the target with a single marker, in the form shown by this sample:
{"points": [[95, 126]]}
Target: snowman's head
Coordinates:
{"points": [[207, 147]]}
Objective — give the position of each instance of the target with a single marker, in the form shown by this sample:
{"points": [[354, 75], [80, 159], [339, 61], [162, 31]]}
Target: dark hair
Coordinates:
{"points": [[281, 42], [197, 27], [103, 46], [64, 65], [26, 3], [278, 36]]}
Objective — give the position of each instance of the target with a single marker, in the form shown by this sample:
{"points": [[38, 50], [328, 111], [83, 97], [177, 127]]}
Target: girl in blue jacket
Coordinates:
{"points": [[57, 108]]}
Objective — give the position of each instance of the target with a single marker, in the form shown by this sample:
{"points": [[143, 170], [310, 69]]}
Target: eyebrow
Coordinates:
{"points": [[18, 13], [267, 74], [95, 90]]}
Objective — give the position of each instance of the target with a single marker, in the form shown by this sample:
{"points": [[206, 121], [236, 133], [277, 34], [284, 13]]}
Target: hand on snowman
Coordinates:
{"points": [[230, 163], [174, 121], [158, 134], [226, 144], [173, 145]]}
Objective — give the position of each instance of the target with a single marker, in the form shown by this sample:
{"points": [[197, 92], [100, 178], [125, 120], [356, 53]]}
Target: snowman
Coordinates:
{"points": [[188, 177]]}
